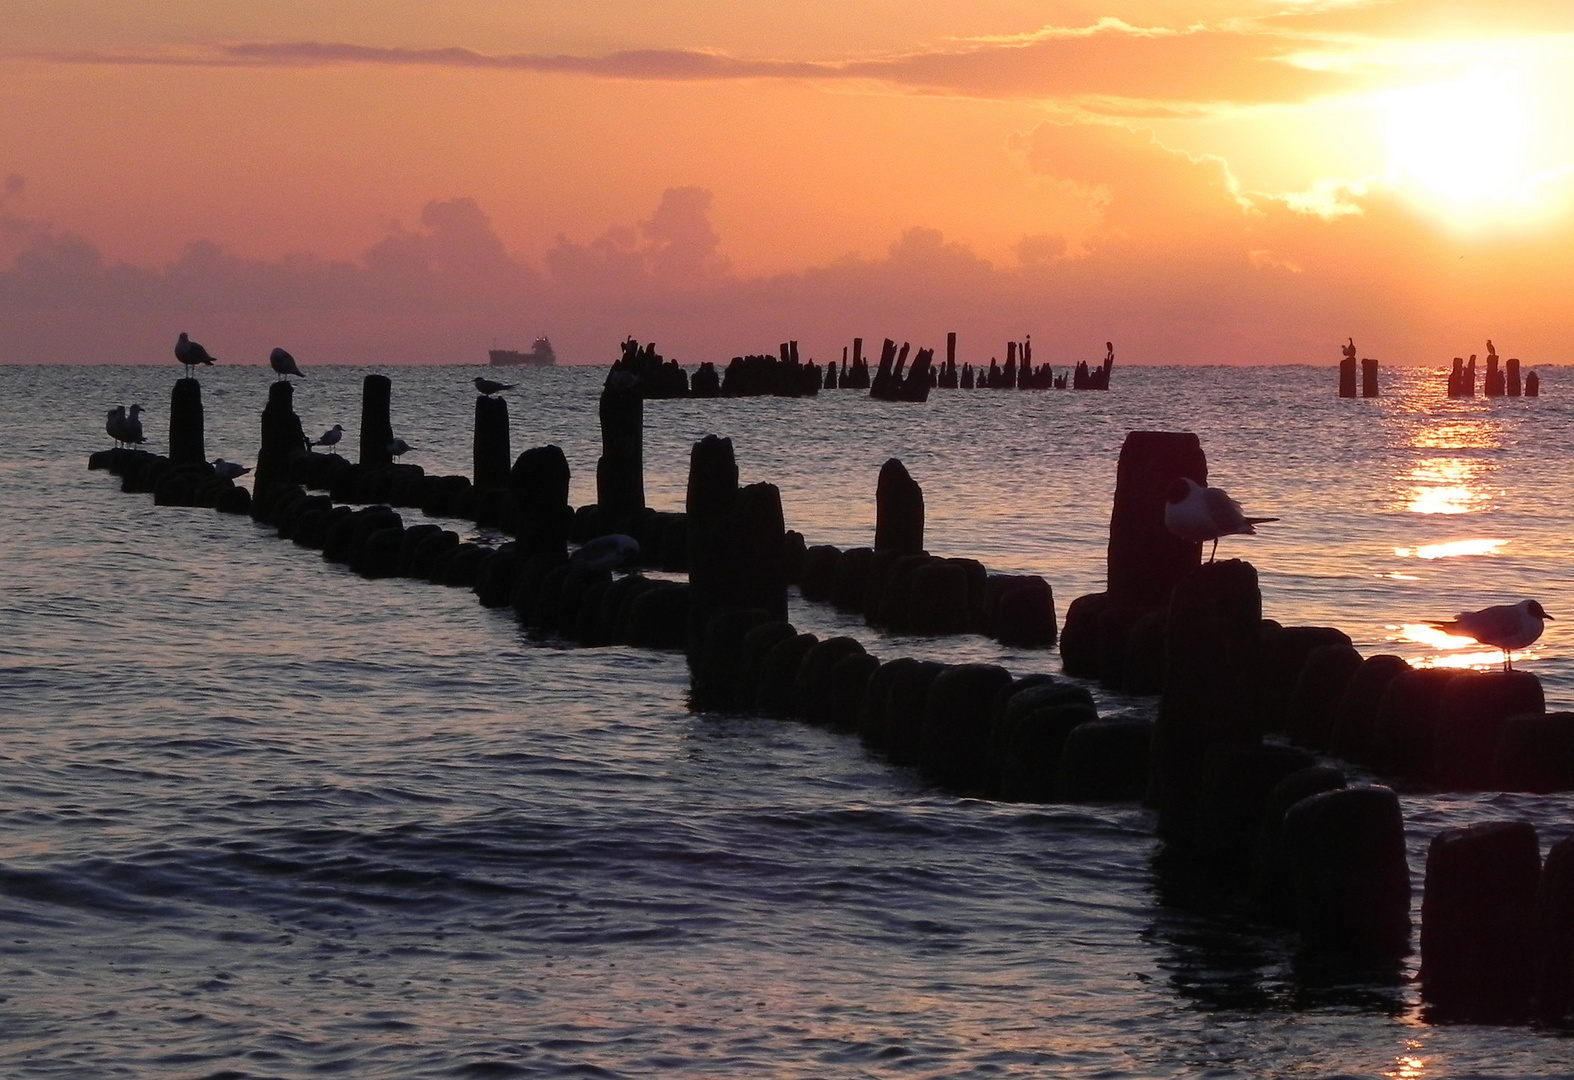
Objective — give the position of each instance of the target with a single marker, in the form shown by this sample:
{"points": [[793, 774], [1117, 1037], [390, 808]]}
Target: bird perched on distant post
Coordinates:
{"points": [[398, 447], [487, 387], [1503, 626], [330, 438], [1196, 513], [191, 354], [283, 363]]}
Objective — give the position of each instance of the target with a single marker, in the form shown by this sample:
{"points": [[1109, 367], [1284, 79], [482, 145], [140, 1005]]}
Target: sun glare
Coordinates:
{"points": [[1462, 141]]}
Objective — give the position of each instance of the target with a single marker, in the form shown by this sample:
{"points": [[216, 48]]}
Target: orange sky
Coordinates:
{"points": [[1236, 181]]}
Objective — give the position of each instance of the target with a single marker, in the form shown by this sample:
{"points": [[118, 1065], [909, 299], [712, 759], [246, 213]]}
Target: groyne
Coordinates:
{"points": [[1246, 761]]}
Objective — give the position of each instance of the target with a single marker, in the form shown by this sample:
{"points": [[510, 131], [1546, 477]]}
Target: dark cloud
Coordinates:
{"points": [[1116, 67]]}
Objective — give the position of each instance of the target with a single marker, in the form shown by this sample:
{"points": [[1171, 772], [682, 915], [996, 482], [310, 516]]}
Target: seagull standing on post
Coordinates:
{"points": [[283, 363], [115, 424], [1196, 513], [1504, 626], [398, 447], [331, 437], [487, 387], [191, 354], [131, 430]]}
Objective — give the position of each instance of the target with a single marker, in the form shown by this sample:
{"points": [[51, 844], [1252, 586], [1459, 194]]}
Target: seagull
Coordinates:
{"points": [[1505, 626], [131, 430], [191, 354], [283, 363], [398, 447], [488, 387], [607, 552], [1195, 513], [229, 470], [331, 437], [115, 424]]}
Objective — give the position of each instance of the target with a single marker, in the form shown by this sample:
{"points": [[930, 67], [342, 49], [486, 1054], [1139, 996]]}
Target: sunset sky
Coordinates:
{"points": [[1226, 181]]}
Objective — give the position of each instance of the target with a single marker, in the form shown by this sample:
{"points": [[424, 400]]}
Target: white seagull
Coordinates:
{"points": [[607, 552], [398, 447], [488, 387], [331, 437], [229, 470], [1195, 513], [115, 424], [283, 363], [191, 354], [1505, 626], [131, 430]]}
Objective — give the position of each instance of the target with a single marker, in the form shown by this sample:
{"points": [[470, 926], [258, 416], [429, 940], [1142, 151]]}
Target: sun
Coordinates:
{"points": [[1462, 141]]}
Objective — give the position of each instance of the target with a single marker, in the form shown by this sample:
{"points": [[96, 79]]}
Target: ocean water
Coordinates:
{"points": [[262, 818]]}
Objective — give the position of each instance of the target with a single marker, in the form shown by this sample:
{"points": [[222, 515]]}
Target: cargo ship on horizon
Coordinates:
{"points": [[540, 355]]}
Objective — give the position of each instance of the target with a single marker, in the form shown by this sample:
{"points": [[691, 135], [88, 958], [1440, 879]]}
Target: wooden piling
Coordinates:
{"points": [[376, 421], [186, 445]]}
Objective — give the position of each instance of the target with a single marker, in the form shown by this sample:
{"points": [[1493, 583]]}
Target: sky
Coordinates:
{"points": [[397, 181]]}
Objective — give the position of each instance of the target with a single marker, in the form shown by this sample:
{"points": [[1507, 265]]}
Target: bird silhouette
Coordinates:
{"points": [[488, 387], [398, 447], [1504, 626], [191, 354], [330, 438], [131, 430], [283, 363], [1196, 513], [229, 470], [115, 424]]}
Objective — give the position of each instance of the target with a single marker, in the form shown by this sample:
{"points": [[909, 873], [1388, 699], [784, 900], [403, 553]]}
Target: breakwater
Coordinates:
{"points": [[408, 474]]}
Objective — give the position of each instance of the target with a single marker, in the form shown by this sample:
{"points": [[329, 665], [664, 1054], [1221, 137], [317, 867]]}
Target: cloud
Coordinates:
{"points": [[1182, 266], [1108, 65], [679, 251]]}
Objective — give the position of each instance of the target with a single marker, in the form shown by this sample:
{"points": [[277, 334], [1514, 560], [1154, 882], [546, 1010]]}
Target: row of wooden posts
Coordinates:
{"points": [[1461, 378], [1239, 804], [641, 367]]}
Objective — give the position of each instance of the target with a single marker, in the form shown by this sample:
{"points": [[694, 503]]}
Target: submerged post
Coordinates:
{"points": [[376, 425]]}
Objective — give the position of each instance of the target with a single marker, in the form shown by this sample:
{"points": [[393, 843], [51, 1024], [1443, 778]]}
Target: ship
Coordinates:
{"points": [[540, 355]]}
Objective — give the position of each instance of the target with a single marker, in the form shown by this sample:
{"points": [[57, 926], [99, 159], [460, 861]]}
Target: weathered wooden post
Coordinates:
{"points": [[539, 481], [492, 458], [620, 472], [1210, 672], [1532, 385], [899, 511], [1512, 376], [1368, 376], [376, 422], [186, 446], [282, 438], [1146, 561], [1347, 377]]}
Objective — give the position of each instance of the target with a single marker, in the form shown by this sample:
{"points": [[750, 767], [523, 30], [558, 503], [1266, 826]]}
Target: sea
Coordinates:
{"points": [[262, 818]]}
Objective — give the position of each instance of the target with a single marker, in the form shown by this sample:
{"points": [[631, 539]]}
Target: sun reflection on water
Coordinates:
{"points": [[1451, 549], [1454, 651], [1446, 486]]}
